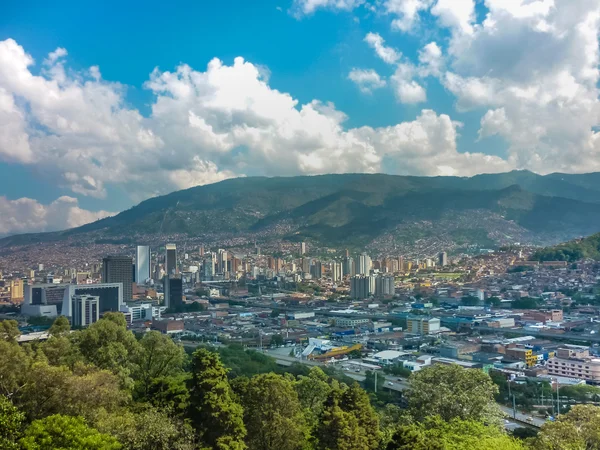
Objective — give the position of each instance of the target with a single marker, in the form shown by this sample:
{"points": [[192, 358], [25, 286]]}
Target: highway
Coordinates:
{"points": [[393, 383]]}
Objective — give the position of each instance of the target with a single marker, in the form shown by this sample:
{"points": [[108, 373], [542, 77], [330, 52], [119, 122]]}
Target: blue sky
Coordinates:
{"points": [[483, 103]]}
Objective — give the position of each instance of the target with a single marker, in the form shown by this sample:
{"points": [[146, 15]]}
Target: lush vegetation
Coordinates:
{"points": [[571, 251], [103, 388]]}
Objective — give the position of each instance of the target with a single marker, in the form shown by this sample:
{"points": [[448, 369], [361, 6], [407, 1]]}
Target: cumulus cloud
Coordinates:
{"points": [[367, 80], [406, 88], [28, 215], [377, 43], [542, 98], [204, 126], [405, 12]]}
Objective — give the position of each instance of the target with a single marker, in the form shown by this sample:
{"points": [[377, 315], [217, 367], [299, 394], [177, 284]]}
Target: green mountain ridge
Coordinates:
{"points": [[359, 209], [586, 248]]}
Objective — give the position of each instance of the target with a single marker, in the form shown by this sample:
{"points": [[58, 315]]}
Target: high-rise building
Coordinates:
{"points": [[173, 288], [316, 270], [384, 286], [208, 267], [279, 264], [336, 271], [16, 290], [85, 310], [201, 250], [346, 253], [306, 265], [302, 248], [364, 264], [171, 259], [443, 259], [142, 264], [348, 266], [361, 286], [401, 267], [222, 261], [117, 269]]}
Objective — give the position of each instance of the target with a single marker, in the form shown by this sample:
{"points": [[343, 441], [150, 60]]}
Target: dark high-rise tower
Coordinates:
{"points": [[118, 269]]}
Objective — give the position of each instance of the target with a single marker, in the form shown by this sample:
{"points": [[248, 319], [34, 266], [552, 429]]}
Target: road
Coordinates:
{"points": [[522, 417], [392, 382]]}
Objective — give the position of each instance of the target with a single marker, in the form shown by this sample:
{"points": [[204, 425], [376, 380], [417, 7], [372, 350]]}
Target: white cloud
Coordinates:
{"points": [[407, 90], [26, 215], [457, 14], [367, 80], [406, 12], [431, 60], [205, 126], [542, 97], [387, 54], [307, 7]]}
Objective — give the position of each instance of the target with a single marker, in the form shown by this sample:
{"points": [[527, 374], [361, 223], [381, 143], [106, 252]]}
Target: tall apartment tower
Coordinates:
{"points": [[85, 310], [171, 259], [303, 248], [117, 269], [443, 259], [142, 264], [336, 271], [364, 264]]}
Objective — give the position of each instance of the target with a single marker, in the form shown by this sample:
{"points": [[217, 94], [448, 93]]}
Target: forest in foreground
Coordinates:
{"points": [[104, 388]]}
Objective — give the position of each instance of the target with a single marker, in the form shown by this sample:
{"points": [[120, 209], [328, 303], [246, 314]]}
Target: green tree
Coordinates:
{"points": [[347, 421], [65, 433], [13, 368], [9, 330], [170, 393], [434, 433], [495, 302], [147, 429], [11, 420], [469, 301], [273, 413], [60, 327], [214, 413], [157, 357], [525, 303], [52, 390], [452, 392], [577, 429], [109, 345], [312, 390], [276, 340]]}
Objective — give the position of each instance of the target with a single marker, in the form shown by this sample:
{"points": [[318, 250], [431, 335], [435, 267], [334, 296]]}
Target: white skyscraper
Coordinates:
{"points": [[364, 264], [142, 264]]}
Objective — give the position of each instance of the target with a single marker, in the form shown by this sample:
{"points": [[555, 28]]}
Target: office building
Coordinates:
{"points": [[173, 288], [142, 264], [16, 290], [302, 248], [422, 325], [171, 259], [347, 322], [52, 299], [364, 264], [443, 259], [85, 310], [117, 269], [384, 286], [208, 267]]}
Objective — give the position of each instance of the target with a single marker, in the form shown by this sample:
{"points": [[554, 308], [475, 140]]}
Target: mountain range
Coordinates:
{"points": [[363, 210]]}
